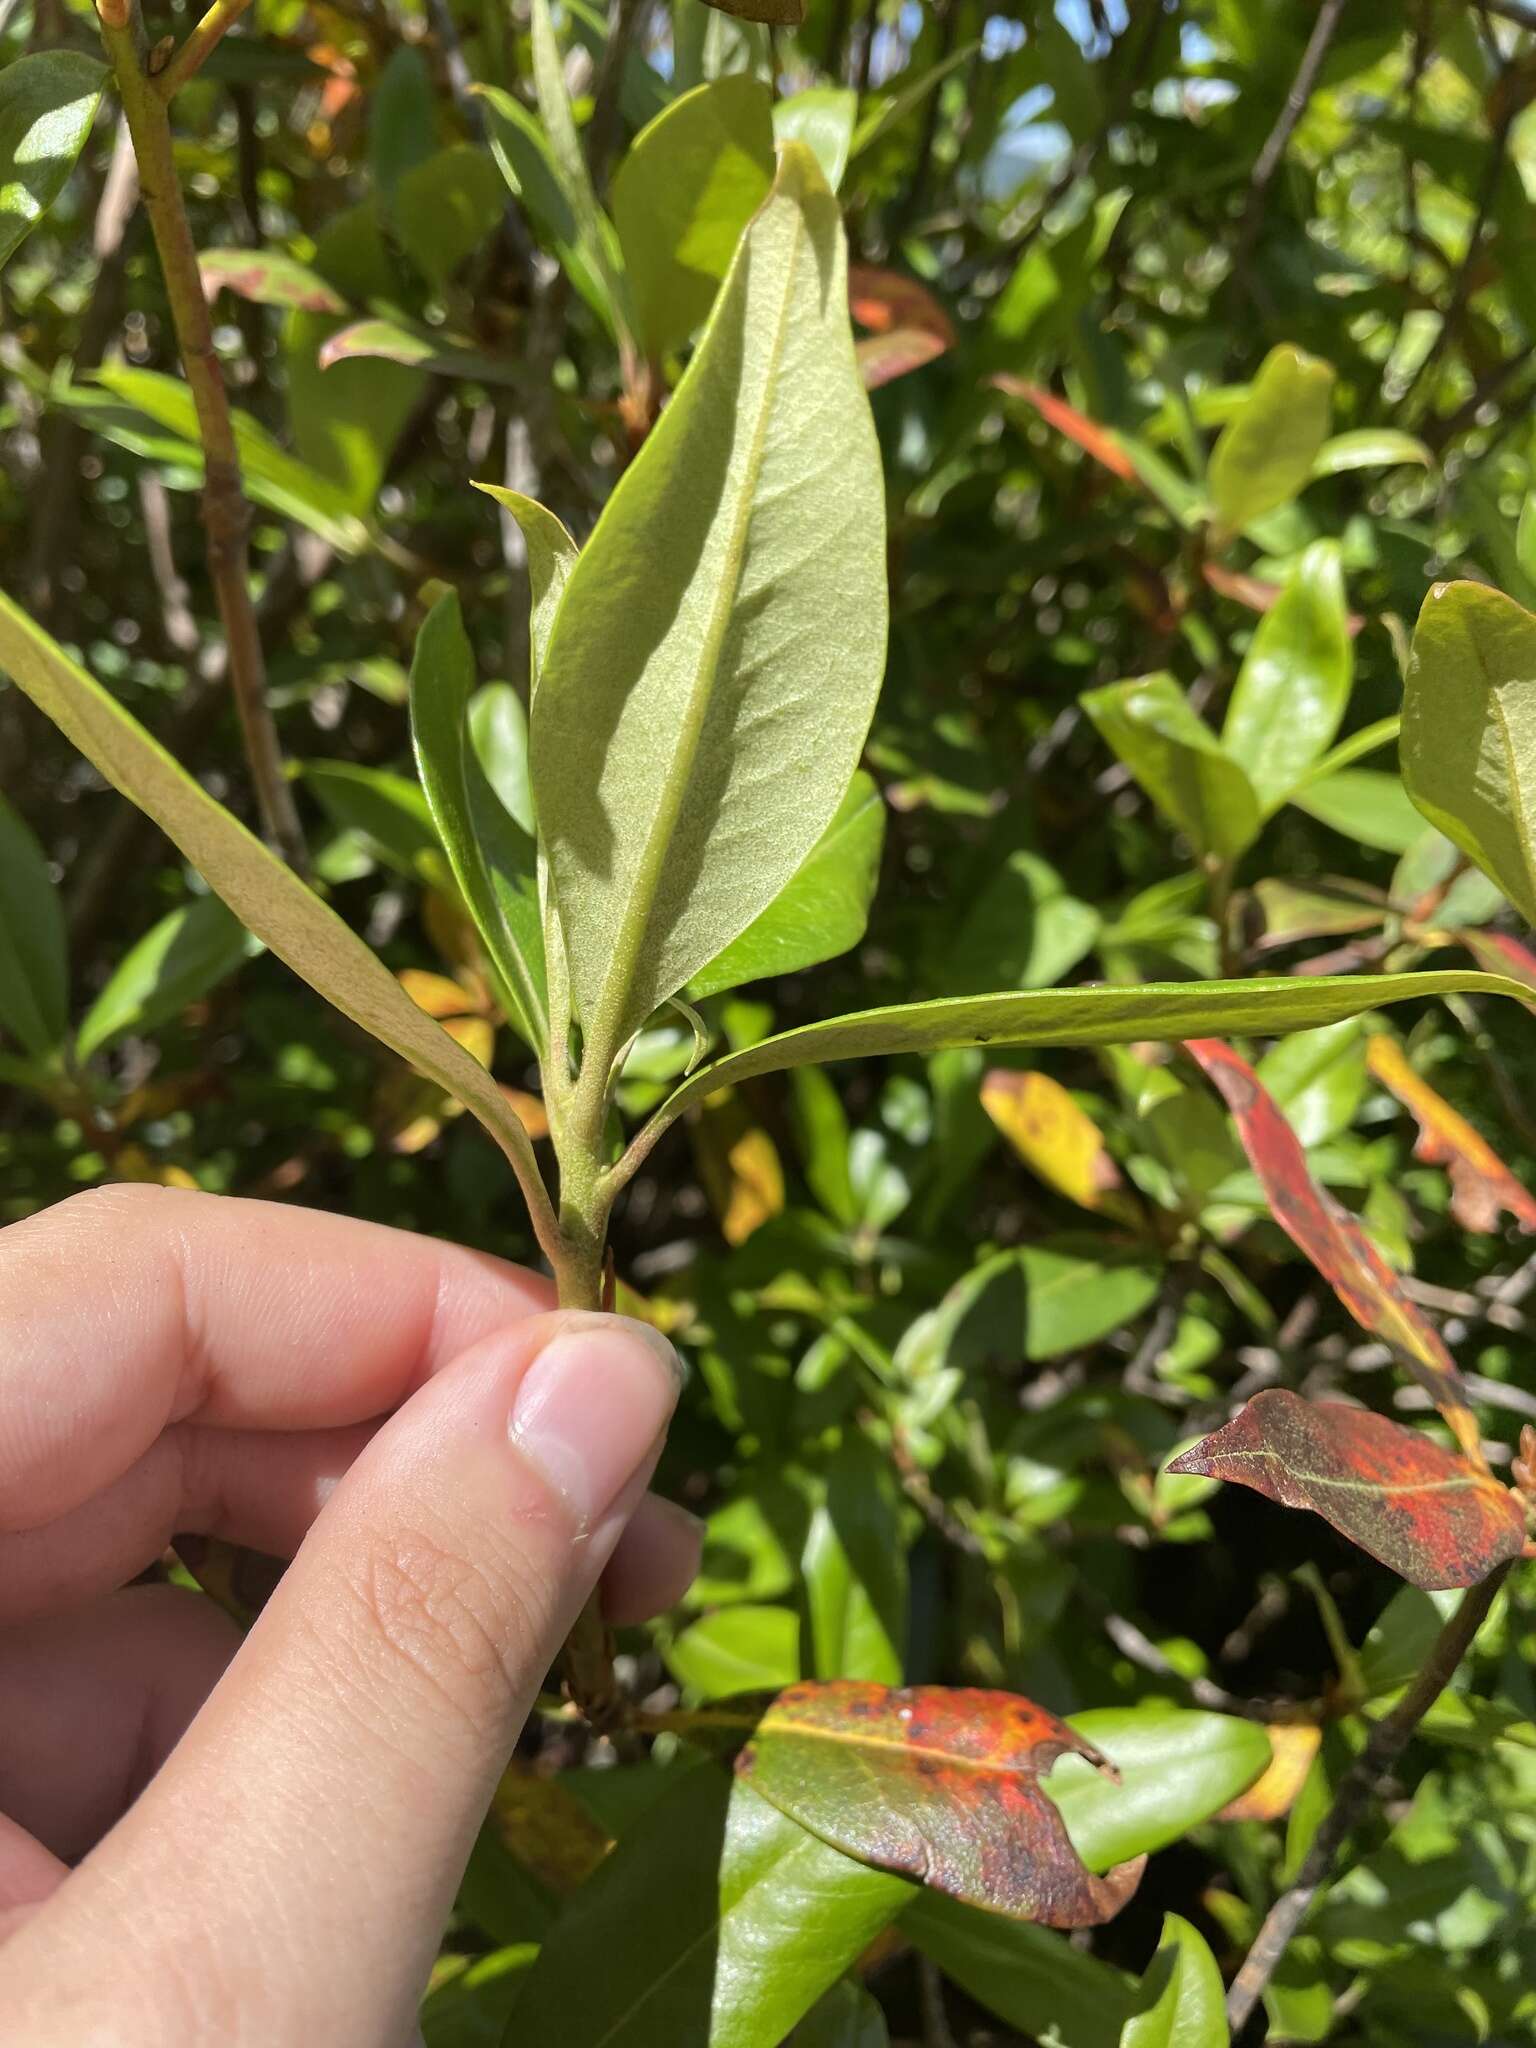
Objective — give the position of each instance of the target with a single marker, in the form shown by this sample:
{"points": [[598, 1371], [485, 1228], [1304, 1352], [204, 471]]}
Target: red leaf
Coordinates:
{"points": [[1482, 1186], [1332, 1239], [1423, 1511], [1497, 953], [1097, 441], [908, 327], [939, 1784]]}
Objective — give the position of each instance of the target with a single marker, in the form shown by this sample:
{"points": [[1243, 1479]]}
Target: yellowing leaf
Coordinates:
{"points": [[1482, 1186], [1293, 1746], [740, 1167], [1052, 1135]]}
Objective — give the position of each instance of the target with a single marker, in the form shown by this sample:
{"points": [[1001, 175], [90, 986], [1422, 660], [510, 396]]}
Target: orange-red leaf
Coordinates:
{"points": [[1332, 1239], [1094, 440], [907, 325], [1482, 1186], [1497, 953], [1052, 1135], [1293, 1746], [940, 1784], [1422, 1510]]}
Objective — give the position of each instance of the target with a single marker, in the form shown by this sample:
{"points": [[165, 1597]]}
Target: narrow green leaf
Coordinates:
{"points": [[1264, 1006], [265, 895], [176, 961], [1370, 739], [551, 558], [1179, 761], [686, 189], [1293, 687], [389, 811], [498, 731], [446, 210], [594, 231], [1266, 451], [855, 1570], [34, 969], [701, 1917], [1369, 448], [715, 660], [822, 910], [1364, 804], [493, 859], [1190, 2010], [47, 104], [1469, 731], [526, 162]]}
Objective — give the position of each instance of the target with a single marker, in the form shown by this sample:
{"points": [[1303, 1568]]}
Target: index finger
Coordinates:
{"points": [[128, 1308]]}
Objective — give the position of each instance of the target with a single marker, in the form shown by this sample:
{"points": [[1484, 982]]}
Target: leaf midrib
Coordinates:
{"points": [[1454, 1482], [608, 1022]]}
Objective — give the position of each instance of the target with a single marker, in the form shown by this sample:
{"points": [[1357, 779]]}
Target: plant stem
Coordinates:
{"points": [[194, 52], [226, 515], [1387, 1741]]}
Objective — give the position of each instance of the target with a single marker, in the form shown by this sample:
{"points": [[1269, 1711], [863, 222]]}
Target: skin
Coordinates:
{"points": [[258, 1841]]}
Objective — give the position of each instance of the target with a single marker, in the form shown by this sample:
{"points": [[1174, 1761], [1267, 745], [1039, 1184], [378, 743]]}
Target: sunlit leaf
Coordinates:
{"points": [[1266, 451], [823, 118], [1482, 1186], [1189, 1999], [1423, 1511], [391, 341], [1331, 1238], [940, 1785], [715, 659], [1179, 761], [1271, 1796], [551, 557], [1294, 684], [47, 104], [178, 960], [1099, 442], [739, 1166], [1055, 1137]]}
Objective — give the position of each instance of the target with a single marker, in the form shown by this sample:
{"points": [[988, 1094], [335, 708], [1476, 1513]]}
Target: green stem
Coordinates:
{"points": [[195, 51], [226, 515]]}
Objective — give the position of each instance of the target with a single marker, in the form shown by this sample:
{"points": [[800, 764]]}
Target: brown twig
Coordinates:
{"points": [[1270, 157], [1386, 1743], [226, 515]]}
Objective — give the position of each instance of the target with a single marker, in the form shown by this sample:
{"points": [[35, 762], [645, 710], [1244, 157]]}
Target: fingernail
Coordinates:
{"points": [[592, 1404]]}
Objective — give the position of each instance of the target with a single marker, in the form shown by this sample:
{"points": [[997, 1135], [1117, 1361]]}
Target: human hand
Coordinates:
{"points": [[451, 1464]]}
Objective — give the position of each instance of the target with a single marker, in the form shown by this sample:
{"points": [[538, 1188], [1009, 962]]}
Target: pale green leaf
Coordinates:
{"points": [[498, 731], [524, 157], [716, 657], [685, 190], [551, 557], [493, 859], [388, 810], [855, 1570], [1263, 1006], [268, 898], [594, 231], [822, 117], [738, 1649], [1369, 448], [177, 961], [1364, 804], [1293, 687], [821, 911], [1469, 731], [1189, 2009], [1266, 450], [47, 104], [1179, 762], [34, 971]]}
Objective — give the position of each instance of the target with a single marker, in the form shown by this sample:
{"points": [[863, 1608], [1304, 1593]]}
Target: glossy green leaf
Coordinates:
{"points": [[266, 896], [47, 104], [1179, 762], [716, 656], [1369, 448], [822, 117], [1364, 804], [1318, 1079], [34, 967], [700, 1919], [1189, 2009], [1023, 928], [389, 811], [1263, 1006], [855, 1570], [271, 475], [551, 558], [1469, 731], [685, 191], [1177, 1768], [493, 859], [498, 732], [743, 1648], [1294, 684], [176, 961], [1266, 450], [1032, 1977], [821, 911]]}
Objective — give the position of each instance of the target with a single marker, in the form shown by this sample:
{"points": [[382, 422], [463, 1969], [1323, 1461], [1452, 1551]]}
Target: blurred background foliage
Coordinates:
{"points": [[948, 1323]]}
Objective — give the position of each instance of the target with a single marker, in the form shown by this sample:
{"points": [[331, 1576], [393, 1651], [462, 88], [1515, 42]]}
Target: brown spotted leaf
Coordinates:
{"points": [[1423, 1511], [1482, 1186], [268, 278], [941, 1784], [1055, 1138], [1332, 1239]]}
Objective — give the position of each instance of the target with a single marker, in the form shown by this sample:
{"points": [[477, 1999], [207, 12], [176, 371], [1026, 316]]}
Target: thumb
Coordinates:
{"points": [[287, 1875]]}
